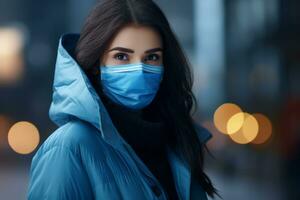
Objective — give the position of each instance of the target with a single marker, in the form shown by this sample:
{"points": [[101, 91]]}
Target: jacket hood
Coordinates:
{"points": [[75, 97], [73, 94]]}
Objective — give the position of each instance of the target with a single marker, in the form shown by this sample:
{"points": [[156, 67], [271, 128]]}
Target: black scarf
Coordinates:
{"points": [[148, 135]]}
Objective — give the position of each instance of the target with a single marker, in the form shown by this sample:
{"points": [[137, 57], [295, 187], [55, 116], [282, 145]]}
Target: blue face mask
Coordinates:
{"points": [[132, 85]]}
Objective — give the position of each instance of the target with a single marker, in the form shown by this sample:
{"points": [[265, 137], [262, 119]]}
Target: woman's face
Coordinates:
{"points": [[134, 44]]}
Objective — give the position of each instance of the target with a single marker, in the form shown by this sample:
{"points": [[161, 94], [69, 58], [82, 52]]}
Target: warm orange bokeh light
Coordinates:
{"points": [[23, 137], [11, 59], [265, 129], [235, 123], [223, 114], [247, 132]]}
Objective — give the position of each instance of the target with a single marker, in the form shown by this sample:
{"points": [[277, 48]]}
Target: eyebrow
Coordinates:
{"points": [[132, 51]]}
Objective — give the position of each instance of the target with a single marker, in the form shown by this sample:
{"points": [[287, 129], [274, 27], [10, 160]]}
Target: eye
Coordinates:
{"points": [[152, 57], [121, 56]]}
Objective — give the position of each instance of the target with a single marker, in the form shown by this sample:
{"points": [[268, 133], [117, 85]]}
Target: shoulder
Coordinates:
{"points": [[75, 136], [203, 134], [57, 170]]}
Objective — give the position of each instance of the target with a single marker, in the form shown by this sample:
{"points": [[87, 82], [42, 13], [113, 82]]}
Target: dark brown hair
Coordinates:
{"points": [[174, 100]]}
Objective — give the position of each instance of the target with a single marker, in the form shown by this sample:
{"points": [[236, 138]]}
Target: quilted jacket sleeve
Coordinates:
{"points": [[57, 174]]}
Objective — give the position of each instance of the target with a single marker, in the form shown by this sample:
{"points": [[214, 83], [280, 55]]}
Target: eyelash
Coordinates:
{"points": [[157, 56], [123, 54], [118, 54]]}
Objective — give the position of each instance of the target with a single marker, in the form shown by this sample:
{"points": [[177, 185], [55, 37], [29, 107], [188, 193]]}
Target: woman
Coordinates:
{"points": [[122, 100]]}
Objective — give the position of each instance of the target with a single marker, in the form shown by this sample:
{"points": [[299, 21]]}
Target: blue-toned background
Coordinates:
{"points": [[243, 52]]}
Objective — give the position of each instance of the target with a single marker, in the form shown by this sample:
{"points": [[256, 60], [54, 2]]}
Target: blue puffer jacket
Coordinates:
{"points": [[85, 157]]}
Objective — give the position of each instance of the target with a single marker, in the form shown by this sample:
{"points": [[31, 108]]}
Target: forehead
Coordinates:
{"points": [[138, 38]]}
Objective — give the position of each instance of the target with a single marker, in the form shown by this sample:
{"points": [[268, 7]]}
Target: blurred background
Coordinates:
{"points": [[245, 56]]}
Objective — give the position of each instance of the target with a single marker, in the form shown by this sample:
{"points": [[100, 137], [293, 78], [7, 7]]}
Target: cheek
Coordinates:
{"points": [[113, 61]]}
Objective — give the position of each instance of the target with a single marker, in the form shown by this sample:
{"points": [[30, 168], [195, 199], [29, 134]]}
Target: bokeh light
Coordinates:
{"points": [[247, 132], [235, 123], [265, 129], [223, 114], [11, 59], [23, 137]]}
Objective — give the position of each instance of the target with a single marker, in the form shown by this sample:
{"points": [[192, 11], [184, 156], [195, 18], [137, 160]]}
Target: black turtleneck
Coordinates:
{"points": [[148, 136]]}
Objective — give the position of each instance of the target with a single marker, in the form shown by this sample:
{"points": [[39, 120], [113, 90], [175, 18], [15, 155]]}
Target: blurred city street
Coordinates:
{"points": [[245, 57]]}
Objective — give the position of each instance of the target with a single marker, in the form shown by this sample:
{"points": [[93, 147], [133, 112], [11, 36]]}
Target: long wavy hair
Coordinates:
{"points": [[174, 100]]}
